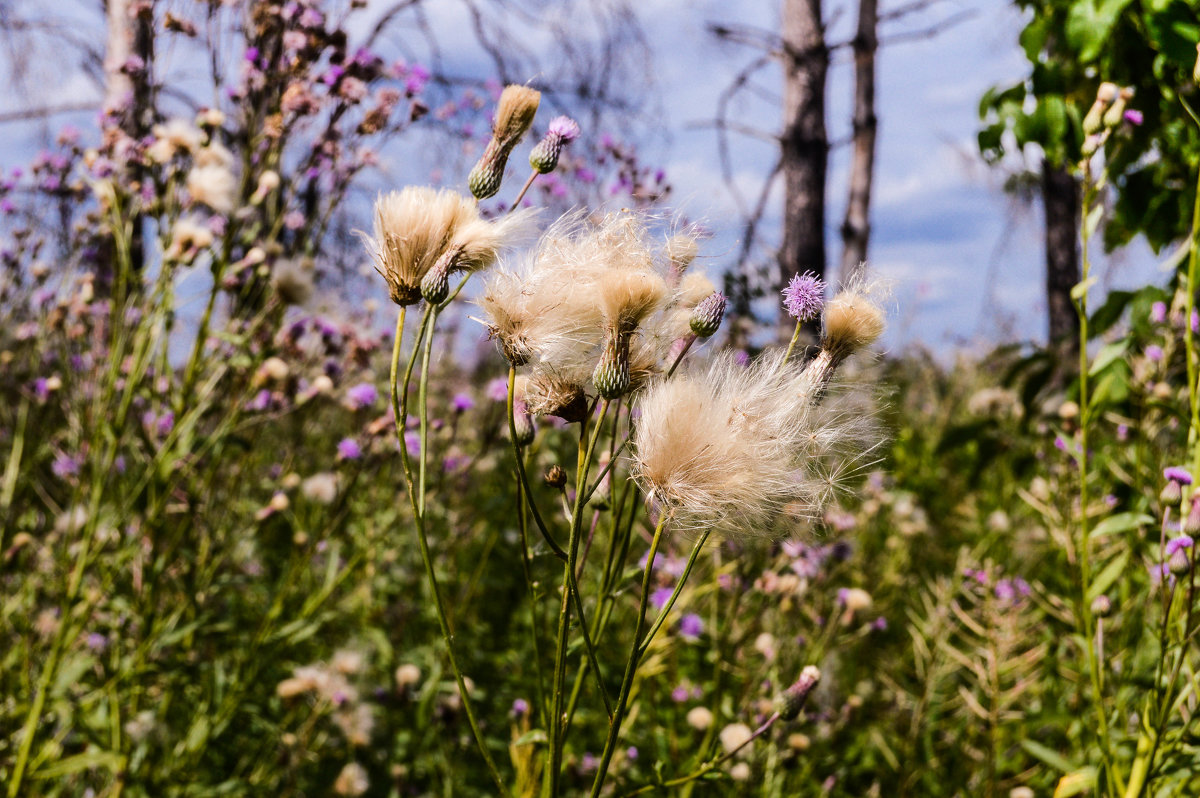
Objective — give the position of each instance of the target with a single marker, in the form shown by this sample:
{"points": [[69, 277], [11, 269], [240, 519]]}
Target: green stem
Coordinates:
{"points": [[666, 610], [417, 499], [795, 337], [614, 728], [759, 732]]}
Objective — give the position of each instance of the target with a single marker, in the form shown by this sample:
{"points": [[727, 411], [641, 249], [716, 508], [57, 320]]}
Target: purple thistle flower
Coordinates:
{"points": [[1134, 117], [96, 641], [660, 597], [679, 694], [348, 449], [1154, 352], [1158, 312], [631, 752], [563, 127], [691, 626], [362, 395], [520, 707], [65, 465], [497, 390], [1178, 544], [463, 402], [412, 441], [804, 297], [1177, 474]]}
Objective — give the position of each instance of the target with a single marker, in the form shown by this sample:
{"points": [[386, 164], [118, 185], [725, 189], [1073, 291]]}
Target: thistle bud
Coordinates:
{"points": [[1101, 606], [611, 376], [1172, 492], [1191, 524], [1116, 112], [706, 316], [556, 477], [789, 703], [1093, 122], [1179, 563], [1090, 144], [435, 285], [544, 157], [484, 180], [523, 423]]}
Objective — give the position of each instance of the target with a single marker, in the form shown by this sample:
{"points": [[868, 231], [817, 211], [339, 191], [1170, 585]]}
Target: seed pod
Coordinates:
{"points": [[611, 376], [706, 316]]}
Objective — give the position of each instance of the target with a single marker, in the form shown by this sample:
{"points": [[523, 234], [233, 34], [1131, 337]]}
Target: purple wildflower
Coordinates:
{"points": [[804, 297], [463, 402], [497, 389], [348, 449], [96, 641], [520, 707], [412, 441], [1158, 312], [1177, 474], [1177, 544], [361, 395], [1134, 117], [679, 694], [691, 626], [564, 127], [660, 597], [631, 752], [65, 465], [1154, 352]]}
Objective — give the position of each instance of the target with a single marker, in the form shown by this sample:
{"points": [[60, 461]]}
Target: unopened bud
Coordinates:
{"points": [[1116, 112], [1093, 122], [1101, 606], [435, 285], [484, 180], [611, 376], [523, 424], [1191, 524], [706, 316], [1171, 493], [789, 703], [556, 477], [1179, 563]]}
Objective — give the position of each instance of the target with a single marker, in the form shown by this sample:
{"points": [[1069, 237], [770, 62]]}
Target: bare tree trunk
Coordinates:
{"points": [[128, 93], [805, 142], [1060, 196], [856, 227]]}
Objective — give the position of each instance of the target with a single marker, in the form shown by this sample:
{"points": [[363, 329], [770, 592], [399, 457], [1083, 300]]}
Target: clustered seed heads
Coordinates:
{"points": [[590, 310], [422, 231]]}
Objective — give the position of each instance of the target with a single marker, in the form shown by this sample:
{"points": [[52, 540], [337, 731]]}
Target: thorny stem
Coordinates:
{"points": [[614, 727], [708, 766], [417, 499]]}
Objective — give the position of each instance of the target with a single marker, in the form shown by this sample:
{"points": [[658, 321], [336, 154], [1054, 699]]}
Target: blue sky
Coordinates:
{"points": [[964, 259]]}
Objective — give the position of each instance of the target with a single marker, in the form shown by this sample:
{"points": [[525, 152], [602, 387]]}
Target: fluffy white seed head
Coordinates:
{"points": [[746, 451], [853, 319]]}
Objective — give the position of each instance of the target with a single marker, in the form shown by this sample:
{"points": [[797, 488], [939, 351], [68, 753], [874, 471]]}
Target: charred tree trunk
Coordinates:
{"points": [[804, 143], [1060, 196], [856, 227]]}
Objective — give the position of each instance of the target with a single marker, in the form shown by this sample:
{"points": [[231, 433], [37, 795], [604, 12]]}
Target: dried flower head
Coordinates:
{"points": [[681, 250], [743, 450], [419, 228], [514, 114], [693, 288], [213, 185], [853, 320]]}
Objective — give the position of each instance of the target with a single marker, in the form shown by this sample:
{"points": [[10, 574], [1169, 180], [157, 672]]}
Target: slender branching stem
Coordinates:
{"points": [[614, 727], [792, 344], [417, 499], [711, 764], [666, 610], [520, 196]]}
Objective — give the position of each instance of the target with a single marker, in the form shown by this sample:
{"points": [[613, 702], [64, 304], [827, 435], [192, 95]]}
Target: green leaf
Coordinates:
{"points": [[89, 760], [1079, 289], [532, 737], [1048, 756], [1089, 23], [1121, 522], [1108, 576], [1108, 354], [1076, 783]]}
